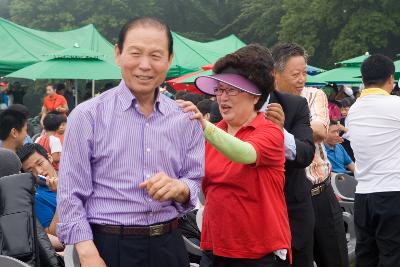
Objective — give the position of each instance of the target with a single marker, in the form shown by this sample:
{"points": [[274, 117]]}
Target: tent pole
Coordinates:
{"points": [[92, 88], [76, 93]]}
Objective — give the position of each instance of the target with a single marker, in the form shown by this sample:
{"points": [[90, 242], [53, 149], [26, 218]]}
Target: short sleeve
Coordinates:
{"points": [[320, 111], [346, 158], [55, 144], [268, 141], [44, 211]]}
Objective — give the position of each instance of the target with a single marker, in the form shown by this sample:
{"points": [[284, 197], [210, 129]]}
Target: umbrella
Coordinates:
{"points": [[355, 61], [343, 75], [313, 70], [397, 69], [69, 68], [71, 63]]}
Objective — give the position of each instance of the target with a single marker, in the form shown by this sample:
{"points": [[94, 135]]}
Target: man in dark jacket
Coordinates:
{"points": [[292, 113]]}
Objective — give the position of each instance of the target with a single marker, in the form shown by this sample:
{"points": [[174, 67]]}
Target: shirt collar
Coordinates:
{"points": [[127, 98], [373, 91], [258, 120]]}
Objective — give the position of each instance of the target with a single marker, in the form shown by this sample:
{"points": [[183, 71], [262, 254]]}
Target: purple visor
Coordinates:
{"points": [[207, 84]]}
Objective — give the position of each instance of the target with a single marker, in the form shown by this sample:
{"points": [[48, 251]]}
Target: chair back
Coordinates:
{"points": [[344, 186]]}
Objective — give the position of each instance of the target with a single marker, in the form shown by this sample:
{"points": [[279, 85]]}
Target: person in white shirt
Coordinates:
{"points": [[374, 131]]}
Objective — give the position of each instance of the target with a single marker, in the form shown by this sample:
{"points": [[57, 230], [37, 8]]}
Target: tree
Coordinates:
{"points": [[333, 30], [4, 9], [258, 21]]}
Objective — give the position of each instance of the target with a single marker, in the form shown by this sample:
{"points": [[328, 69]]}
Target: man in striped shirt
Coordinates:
{"points": [[132, 162]]}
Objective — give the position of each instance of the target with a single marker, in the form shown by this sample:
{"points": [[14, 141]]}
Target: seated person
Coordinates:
{"points": [[337, 155], [49, 140], [35, 159]]}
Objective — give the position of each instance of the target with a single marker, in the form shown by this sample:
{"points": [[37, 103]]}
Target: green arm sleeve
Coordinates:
{"points": [[232, 147]]}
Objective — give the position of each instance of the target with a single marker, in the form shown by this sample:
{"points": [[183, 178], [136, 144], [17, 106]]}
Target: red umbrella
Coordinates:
{"points": [[208, 67], [185, 86]]}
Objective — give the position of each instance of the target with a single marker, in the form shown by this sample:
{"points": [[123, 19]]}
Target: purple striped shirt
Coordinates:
{"points": [[110, 147]]}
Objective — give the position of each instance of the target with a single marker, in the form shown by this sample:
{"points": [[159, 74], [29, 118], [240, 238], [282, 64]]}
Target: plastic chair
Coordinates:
{"points": [[351, 243], [6, 261], [344, 186], [347, 206]]}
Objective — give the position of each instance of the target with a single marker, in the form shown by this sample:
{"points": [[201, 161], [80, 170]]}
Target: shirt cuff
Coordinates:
{"points": [[194, 187], [74, 232], [290, 145]]}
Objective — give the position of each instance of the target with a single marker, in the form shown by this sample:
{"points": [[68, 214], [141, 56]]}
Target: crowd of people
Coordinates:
{"points": [[260, 145]]}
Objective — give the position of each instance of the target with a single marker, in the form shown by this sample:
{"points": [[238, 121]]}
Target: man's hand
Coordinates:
{"points": [[52, 183], [275, 114], [161, 187], [89, 255], [188, 106]]}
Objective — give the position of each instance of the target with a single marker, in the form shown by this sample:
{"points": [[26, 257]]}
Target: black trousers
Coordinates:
{"points": [[166, 250], [377, 225], [210, 260], [330, 244], [302, 223]]}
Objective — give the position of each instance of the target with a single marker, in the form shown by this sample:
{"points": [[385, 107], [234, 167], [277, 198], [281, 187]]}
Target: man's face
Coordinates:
{"points": [[144, 59], [19, 136], [37, 164], [50, 90], [293, 78], [333, 137]]}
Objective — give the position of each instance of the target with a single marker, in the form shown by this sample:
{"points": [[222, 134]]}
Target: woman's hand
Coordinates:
{"points": [[188, 106]]}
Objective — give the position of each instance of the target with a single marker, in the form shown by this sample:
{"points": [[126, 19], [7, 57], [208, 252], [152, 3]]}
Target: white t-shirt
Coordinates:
{"points": [[54, 142], [374, 132]]}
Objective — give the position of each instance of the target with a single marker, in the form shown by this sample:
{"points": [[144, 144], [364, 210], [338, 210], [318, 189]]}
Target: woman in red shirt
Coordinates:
{"points": [[245, 220]]}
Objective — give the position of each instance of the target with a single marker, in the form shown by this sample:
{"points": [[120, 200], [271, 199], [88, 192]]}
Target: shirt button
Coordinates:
{"points": [[150, 214], [147, 175], [148, 149], [147, 124], [150, 200]]}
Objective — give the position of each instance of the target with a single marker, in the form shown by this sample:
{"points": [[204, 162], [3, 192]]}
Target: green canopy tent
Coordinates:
{"points": [[190, 55], [21, 46]]}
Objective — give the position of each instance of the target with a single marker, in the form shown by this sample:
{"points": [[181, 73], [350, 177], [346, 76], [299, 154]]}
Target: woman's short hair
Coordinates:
{"points": [[255, 63]]}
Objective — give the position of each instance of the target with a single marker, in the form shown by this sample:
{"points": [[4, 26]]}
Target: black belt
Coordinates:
{"points": [[151, 230], [319, 188]]}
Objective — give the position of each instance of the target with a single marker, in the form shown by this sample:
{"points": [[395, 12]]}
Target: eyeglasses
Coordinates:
{"points": [[229, 91]]}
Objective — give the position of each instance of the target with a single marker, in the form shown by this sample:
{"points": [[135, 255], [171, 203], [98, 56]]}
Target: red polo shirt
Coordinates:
{"points": [[53, 102], [245, 212]]}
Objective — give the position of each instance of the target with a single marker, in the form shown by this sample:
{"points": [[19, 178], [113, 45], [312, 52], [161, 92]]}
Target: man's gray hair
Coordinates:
{"points": [[284, 51]]}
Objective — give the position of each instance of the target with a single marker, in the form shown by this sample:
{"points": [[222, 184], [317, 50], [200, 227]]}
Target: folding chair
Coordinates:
{"points": [[351, 243], [344, 186]]}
